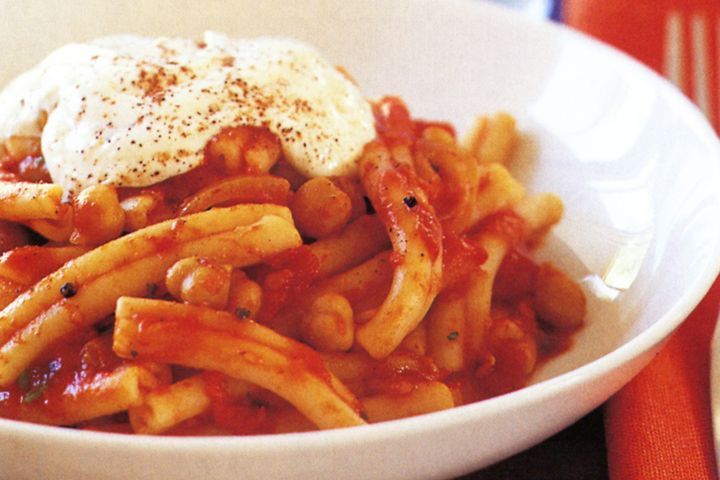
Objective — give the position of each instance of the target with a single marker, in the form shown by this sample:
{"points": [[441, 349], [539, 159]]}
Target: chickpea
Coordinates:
{"points": [[558, 299], [320, 208], [98, 216], [329, 324], [137, 211], [199, 282], [19, 147]]}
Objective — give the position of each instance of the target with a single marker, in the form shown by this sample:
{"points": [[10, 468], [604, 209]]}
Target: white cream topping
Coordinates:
{"points": [[133, 111]]}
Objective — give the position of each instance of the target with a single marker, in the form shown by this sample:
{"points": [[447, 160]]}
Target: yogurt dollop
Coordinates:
{"points": [[133, 111]]}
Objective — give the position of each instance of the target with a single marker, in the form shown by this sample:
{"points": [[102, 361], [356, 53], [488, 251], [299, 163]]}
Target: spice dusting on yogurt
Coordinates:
{"points": [[133, 111]]}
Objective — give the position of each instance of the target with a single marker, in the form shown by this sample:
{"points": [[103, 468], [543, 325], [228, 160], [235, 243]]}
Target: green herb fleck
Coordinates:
{"points": [[453, 335], [34, 394], [23, 381]]}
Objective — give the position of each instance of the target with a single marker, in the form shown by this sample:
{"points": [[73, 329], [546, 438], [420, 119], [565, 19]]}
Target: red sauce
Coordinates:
{"points": [[65, 369], [516, 277], [174, 190], [504, 366], [400, 373], [395, 125], [237, 415], [390, 208], [393, 122], [507, 224], [461, 256], [9, 177], [33, 169], [35, 262], [398, 194], [289, 275]]}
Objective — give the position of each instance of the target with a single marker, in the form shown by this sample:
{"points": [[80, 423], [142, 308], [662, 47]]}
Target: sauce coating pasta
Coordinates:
{"points": [[243, 297]]}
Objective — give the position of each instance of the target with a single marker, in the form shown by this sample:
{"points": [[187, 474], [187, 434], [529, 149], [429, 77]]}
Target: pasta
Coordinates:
{"points": [[246, 296]]}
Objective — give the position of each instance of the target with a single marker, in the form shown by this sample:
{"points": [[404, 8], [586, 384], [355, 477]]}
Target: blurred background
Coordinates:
{"points": [[538, 8], [679, 39]]}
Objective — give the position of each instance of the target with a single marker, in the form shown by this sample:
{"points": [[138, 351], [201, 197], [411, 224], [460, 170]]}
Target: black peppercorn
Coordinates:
{"points": [[68, 290], [410, 201]]}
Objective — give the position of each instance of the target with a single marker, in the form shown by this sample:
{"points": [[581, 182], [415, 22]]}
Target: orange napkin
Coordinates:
{"points": [[658, 427]]}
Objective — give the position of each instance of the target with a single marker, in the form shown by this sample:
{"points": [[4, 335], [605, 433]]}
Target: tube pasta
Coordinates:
{"points": [[357, 242], [104, 394], [558, 299], [245, 295], [58, 230], [492, 138], [540, 213], [416, 238], [240, 189], [459, 319], [29, 201], [460, 175], [153, 330], [365, 287], [239, 235], [169, 405], [27, 265], [424, 398], [22, 267], [499, 191], [20, 146], [98, 216]]}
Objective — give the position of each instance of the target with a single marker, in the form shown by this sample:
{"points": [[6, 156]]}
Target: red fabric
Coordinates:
{"points": [[659, 426], [639, 27]]}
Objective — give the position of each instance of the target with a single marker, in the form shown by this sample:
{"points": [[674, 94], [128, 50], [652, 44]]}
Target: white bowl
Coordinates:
{"points": [[636, 164]]}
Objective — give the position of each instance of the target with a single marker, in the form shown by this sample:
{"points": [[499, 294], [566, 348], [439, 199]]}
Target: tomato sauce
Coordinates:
{"points": [[461, 257], [395, 125], [34, 262], [516, 278], [393, 122], [507, 224], [286, 277], [67, 368], [236, 415], [400, 373]]}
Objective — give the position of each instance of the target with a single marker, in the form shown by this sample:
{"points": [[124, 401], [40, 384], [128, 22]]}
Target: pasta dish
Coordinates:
{"points": [[226, 238]]}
